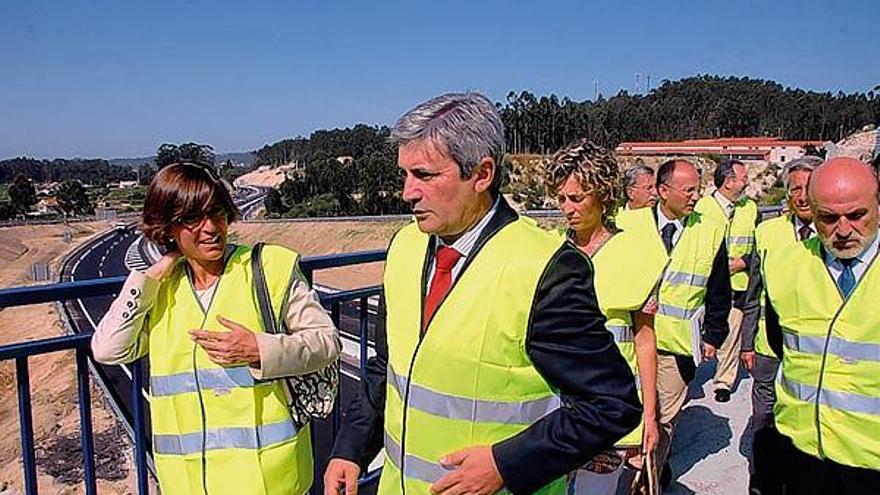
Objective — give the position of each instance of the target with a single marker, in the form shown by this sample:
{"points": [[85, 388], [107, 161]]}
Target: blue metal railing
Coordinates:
{"points": [[21, 351]]}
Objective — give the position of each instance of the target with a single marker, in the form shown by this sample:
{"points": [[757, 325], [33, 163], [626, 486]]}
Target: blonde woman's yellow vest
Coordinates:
{"points": [[469, 380], [740, 231], [625, 276], [773, 234], [828, 389], [683, 287], [216, 430]]}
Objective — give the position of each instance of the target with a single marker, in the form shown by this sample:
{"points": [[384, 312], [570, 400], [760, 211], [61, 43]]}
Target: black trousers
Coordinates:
{"points": [[766, 461], [808, 475]]}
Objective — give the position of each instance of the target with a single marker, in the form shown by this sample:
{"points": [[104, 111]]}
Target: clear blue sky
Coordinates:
{"points": [[118, 78]]}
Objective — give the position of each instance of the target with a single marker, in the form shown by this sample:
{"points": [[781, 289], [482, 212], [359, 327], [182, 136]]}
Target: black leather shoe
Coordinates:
{"points": [[722, 395]]}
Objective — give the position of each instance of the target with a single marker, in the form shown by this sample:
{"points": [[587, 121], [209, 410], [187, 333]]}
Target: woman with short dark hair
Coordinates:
{"points": [[220, 417]]}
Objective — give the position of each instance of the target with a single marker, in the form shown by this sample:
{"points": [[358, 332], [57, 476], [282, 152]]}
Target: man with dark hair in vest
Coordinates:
{"points": [[821, 314], [729, 205], [696, 277], [493, 369]]}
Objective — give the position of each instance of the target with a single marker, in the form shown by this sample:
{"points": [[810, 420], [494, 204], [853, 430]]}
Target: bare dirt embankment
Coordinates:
{"points": [[52, 377], [317, 238]]}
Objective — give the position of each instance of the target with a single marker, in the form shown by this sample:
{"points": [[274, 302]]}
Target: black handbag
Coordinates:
{"points": [[311, 395]]}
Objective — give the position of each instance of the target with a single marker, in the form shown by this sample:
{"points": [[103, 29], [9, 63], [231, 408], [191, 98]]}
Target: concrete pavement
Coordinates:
{"points": [[712, 441]]}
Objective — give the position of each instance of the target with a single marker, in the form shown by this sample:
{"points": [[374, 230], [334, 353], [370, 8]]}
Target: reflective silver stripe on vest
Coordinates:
{"points": [[684, 278], [845, 349], [225, 438], [741, 241], [413, 467], [622, 333], [209, 379], [845, 401], [676, 312], [464, 408]]}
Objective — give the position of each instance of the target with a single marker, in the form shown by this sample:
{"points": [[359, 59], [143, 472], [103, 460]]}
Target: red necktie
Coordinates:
{"points": [[444, 260]]}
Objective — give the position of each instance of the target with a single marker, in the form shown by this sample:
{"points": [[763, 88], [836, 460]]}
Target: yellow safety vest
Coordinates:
{"points": [[468, 381], [740, 231], [683, 287], [215, 429], [828, 389], [776, 233], [625, 276]]}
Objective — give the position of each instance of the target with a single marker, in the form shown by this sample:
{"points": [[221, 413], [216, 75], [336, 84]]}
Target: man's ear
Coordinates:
{"points": [[662, 192], [484, 173]]}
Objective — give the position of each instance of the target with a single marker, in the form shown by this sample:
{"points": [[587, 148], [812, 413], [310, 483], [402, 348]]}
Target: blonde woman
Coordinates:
{"points": [[588, 185]]}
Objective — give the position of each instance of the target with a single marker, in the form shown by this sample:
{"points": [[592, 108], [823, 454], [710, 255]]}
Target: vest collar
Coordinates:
{"points": [[230, 251], [504, 214]]}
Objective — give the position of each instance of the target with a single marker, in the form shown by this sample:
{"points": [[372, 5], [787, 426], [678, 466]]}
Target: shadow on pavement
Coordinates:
{"points": [[704, 373], [698, 434], [745, 443]]}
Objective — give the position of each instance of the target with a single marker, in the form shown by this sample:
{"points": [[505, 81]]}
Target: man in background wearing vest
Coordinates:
{"points": [[493, 368], [639, 187], [821, 305], [781, 233], [696, 275], [739, 214]]}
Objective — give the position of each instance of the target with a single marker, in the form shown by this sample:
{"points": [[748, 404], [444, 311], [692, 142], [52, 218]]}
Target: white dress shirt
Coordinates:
{"points": [[726, 204], [798, 223], [863, 261], [464, 244], [662, 221]]}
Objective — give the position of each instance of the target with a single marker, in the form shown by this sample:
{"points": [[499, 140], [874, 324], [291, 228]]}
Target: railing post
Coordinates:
{"points": [[85, 421], [137, 406], [25, 419], [336, 417], [309, 274], [362, 333]]}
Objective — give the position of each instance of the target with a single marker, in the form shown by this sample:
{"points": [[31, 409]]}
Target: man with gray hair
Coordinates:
{"points": [[638, 184], [781, 233], [493, 367]]}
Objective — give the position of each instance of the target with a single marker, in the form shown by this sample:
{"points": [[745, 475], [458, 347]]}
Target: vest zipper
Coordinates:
{"points": [[204, 421], [828, 340], [205, 311]]}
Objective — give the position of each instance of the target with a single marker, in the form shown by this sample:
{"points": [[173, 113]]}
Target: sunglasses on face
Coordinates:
{"points": [[192, 220]]}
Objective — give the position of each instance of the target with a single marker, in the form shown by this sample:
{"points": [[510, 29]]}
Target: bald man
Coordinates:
{"points": [[822, 320]]}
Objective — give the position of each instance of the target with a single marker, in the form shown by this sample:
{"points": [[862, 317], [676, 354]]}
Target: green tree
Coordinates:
{"points": [[6, 210], [22, 194], [274, 203], [145, 174], [166, 155], [72, 198], [187, 152]]}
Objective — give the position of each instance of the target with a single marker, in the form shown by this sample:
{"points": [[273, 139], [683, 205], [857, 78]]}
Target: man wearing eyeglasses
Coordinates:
{"points": [[697, 276]]}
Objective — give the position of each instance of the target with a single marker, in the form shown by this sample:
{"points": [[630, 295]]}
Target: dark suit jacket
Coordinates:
{"points": [[570, 347]]}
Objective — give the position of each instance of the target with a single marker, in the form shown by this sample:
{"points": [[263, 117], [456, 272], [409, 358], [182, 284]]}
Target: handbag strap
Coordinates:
{"points": [[270, 325]]}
